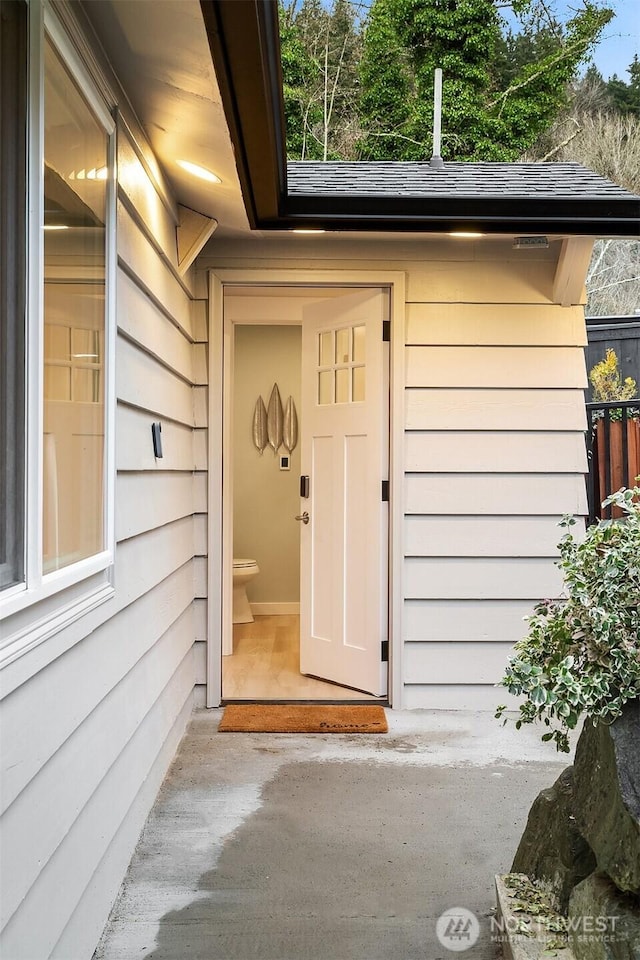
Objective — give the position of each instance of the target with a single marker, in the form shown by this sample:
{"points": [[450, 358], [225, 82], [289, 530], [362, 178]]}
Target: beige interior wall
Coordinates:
{"points": [[266, 499]]}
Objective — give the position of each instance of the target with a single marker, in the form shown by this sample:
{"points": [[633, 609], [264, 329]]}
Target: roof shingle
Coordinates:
{"points": [[461, 180]]}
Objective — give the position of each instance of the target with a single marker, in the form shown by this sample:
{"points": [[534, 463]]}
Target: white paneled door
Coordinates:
{"points": [[345, 452]]}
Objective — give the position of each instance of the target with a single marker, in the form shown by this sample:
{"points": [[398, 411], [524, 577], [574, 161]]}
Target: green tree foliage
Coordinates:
{"points": [[625, 97], [299, 76], [320, 56], [388, 90], [500, 90]]}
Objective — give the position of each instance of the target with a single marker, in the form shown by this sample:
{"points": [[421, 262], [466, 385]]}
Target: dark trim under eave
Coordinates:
{"points": [[597, 217], [245, 46], [513, 227]]}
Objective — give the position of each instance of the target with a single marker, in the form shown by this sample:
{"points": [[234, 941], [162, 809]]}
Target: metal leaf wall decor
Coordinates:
{"points": [[275, 419], [260, 427], [290, 433]]}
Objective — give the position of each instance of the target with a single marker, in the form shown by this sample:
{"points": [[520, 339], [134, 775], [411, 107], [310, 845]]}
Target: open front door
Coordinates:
{"points": [[345, 452]]}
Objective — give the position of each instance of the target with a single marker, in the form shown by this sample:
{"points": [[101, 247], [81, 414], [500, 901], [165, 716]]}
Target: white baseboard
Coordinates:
{"points": [[273, 609]]}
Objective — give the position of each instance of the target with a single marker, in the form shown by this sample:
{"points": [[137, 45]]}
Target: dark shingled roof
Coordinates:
{"points": [[501, 198], [460, 180]]}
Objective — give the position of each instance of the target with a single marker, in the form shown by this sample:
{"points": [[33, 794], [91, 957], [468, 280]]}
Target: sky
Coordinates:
{"points": [[620, 41]]}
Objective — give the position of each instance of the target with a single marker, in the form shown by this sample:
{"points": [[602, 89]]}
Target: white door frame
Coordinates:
{"points": [[220, 548]]}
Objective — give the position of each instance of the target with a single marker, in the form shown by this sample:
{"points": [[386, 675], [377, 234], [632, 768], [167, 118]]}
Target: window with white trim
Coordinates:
{"points": [[56, 312], [13, 217]]}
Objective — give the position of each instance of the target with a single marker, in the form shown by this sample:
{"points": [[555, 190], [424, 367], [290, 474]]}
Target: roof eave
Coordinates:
{"points": [[565, 216], [513, 226], [245, 47]]}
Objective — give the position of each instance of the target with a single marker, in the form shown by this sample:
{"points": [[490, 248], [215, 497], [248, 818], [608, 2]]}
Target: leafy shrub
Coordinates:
{"points": [[582, 655], [607, 383]]}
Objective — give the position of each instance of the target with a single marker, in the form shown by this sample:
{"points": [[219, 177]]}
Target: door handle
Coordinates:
{"points": [[304, 517]]}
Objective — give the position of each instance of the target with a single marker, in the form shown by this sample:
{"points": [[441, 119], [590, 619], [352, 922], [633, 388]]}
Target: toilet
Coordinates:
{"points": [[243, 572]]}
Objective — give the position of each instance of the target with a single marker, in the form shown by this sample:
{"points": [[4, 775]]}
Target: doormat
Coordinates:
{"points": [[297, 718]]}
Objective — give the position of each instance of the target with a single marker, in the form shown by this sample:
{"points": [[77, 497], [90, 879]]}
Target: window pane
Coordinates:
{"points": [[75, 199], [56, 343], [13, 138], [85, 344], [325, 356], [85, 385], [57, 382], [325, 387], [342, 386], [342, 345], [358, 384], [358, 344]]}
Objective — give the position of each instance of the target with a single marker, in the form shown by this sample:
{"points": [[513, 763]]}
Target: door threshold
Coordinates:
{"points": [[378, 701]]}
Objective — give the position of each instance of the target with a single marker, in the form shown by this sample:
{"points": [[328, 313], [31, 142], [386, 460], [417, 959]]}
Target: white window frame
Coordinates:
{"points": [[38, 586]]}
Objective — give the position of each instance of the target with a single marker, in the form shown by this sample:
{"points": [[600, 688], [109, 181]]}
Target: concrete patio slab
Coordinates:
{"points": [[329, 847]]}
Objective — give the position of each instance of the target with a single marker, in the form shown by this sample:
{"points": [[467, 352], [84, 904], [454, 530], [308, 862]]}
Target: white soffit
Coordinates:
{"points": [[161, 55]]}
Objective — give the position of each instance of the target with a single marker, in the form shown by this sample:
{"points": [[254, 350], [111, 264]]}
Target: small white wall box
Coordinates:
{"points": [[285, 462]]}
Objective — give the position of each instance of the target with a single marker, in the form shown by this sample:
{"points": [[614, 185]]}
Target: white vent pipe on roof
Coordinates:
{"points": [[436, 159]]}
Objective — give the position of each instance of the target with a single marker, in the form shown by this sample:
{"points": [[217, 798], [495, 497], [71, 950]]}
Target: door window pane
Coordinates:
{"points": [[325, 387], [344, 382], [343, 345], [358, 384], [75, 201], [358, 344], [325, 356], [342, 386]]}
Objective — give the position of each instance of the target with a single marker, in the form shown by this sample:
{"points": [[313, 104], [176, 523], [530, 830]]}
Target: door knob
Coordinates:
{"points": [[304, 517]]}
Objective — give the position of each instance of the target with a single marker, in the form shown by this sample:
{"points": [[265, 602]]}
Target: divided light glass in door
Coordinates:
{"points": [[341, 365]]}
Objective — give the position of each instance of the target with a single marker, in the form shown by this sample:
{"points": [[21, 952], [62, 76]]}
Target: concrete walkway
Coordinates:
{"points": [[328, 847]]}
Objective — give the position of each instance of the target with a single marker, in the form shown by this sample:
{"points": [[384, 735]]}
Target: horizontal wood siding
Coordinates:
{"points": [[487, 452], [483, 493], [459, 662], [494, 449], [87, 739], [465, 620], [486, 366], [489, 410], [480, 578], [493, 324], [480, 536], [494, 456], [456, 696]]}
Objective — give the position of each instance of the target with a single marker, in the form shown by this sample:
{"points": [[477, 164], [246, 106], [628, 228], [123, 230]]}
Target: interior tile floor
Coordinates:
{"points": [[265, 665]]}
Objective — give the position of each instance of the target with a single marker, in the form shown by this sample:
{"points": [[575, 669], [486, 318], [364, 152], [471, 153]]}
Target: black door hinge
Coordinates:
{"points": [[385, 491], [386, 331], [384, 651]]}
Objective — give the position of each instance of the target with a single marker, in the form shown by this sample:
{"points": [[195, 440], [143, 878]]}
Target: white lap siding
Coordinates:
{"points": [[494, 450], [87, 739], [495, 454]]}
